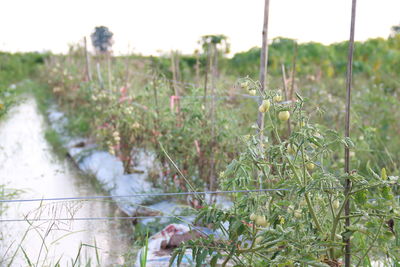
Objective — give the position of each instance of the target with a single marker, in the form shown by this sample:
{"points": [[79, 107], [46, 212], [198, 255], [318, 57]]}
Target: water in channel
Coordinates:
{"points": [[27, 164]]}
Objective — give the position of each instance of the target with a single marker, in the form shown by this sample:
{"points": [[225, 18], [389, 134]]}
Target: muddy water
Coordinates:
{"points": [[27, 163]]}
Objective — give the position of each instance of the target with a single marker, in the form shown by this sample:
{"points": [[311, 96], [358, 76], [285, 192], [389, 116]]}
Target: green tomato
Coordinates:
{"points": [[264, 107], [336, 204], [277, 98], [262, 221], [252, 92], [284, 115], [310, 166]]}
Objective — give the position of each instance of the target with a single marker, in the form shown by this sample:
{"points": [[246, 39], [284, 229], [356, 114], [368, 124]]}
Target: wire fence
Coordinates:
{"points": [[157, 195], [116, 197], [179, 217], [95, 218]]}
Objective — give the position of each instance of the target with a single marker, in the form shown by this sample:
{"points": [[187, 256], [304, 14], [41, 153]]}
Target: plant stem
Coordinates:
{"points": [[313, 215], [274, 128], [309, 204], [372, 243], [336, 222]]}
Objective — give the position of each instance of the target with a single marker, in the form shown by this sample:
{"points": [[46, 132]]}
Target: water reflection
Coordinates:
{"points": [[27, 163]]}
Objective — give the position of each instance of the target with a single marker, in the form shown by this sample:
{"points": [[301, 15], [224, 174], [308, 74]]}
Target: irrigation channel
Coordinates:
{"points": [[28, 164]]}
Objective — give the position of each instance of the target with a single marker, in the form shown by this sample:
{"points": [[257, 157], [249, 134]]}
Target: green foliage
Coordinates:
{"points": [[379, 58], [54, 140], [138, 114], [15, 68], [300, 226], [304, 224]]}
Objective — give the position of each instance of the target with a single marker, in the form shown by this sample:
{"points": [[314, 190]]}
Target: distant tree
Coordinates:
{"points": [[214, 47], [395, 30], [221, 41], [102, 39]]}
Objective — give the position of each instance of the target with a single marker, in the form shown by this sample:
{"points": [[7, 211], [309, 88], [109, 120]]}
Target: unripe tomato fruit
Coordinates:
{"points": [[253, 216], [258, 239], [284, 115], [261, 221], [264, 107], [310, 166], [277, 98], [245, 85], [252, 92], [336, 204]]}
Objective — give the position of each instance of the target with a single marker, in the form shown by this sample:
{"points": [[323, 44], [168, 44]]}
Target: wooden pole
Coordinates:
{"points": [[99, 75], [88, 71], [293, 72], [175, 78], [285, 91], [128, 72], [207, 70], [214, 55], [349, 76], [263, 65], [197, 68], [109, 71]]}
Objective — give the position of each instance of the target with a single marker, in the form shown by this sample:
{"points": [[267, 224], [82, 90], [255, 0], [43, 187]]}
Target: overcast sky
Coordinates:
{"points": [[149, 26]]}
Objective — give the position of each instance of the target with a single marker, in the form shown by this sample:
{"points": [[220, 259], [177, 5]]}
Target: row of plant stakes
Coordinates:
{"points": [[195, 109]]}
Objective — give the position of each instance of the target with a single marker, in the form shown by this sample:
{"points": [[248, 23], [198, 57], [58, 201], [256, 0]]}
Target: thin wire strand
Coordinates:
{"points": [[92, 218], [112, 218], [139, 195], [157, 194]]}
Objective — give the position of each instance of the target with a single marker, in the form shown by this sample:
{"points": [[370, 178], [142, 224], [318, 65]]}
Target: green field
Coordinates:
{"points": [[197, 113]]}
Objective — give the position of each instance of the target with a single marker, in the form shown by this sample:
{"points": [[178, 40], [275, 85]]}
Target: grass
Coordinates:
{"points": [[53, 138], [143, 255], [44, 232]]}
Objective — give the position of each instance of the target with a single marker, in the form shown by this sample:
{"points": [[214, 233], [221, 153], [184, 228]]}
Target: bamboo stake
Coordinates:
{"points": [[349, 76], [205, 122], [293, 72], [263, 65], [175, 74], [128, 71], [214, 54], [197, 68], [207, 70], [88, 71], [156, 118], [109, 71], [99, 75], [177, 68]]}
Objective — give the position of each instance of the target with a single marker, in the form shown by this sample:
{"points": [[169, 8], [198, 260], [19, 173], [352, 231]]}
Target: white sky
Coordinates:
{"points": [[149, 26]]}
